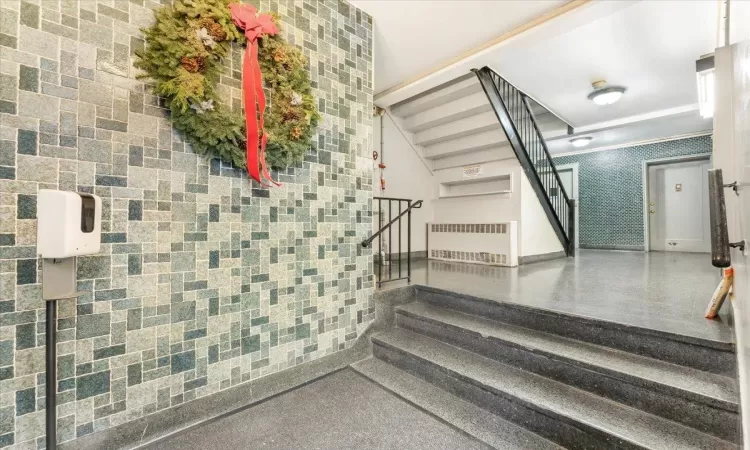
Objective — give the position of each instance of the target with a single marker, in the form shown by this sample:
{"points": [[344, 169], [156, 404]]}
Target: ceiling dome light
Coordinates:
{"points": [[581, 141], [605, 95]]}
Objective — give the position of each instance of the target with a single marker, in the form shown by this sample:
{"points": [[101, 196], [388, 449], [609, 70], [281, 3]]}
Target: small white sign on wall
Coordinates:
{"points": [[473, 170]]}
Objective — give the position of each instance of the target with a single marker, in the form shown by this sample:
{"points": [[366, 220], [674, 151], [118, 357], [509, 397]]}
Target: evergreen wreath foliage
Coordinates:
{"points": [[183, 58]]}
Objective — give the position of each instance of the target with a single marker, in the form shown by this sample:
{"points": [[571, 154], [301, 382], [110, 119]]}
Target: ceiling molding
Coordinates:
{"points": [[544, 18], [634, 144]]}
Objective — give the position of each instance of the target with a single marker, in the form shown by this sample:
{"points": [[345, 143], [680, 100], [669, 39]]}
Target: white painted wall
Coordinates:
{"points": [[496, 208], [731, 144], [536, 234], [406, 177]]}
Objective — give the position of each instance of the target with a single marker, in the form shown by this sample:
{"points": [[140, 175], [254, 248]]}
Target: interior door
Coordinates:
{"points": [[656, 217], [686, 207], [570, 184], [678, 207]]}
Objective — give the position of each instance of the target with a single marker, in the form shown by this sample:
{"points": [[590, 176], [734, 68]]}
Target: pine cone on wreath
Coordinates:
{"points": [[192, 65], [296, 132], [291, 115], [280, 56], [217, 32], [213, 29], [206, 22]]}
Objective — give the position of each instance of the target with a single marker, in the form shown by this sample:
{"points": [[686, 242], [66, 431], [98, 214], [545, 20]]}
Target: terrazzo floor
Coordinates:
{"points": [[340, 411], [663, 291]]}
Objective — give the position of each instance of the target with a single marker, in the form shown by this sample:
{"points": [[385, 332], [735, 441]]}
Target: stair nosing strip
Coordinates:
{"points": [[556, 415], [697, 397], [723, 346]]}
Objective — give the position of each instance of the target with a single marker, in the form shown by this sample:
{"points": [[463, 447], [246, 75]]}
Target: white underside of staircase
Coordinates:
{"points": [[452, 127]]}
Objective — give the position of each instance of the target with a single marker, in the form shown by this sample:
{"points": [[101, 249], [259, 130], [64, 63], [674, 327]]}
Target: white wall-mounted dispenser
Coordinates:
{"points": [[68, 224]]}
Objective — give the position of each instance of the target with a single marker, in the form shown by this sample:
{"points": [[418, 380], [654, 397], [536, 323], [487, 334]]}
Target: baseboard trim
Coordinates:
{"points": [[631, 248], [163, 424], [530, 259]]}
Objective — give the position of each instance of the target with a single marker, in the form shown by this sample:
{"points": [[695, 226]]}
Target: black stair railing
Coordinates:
{"points": [[514, 112], [396, 210]]}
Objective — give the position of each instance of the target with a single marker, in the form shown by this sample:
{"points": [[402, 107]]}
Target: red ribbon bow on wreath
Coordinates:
{"points": [[255, 25]]}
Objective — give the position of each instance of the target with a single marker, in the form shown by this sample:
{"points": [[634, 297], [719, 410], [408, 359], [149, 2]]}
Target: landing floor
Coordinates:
{"points": [[340, 411], [663, 291]]}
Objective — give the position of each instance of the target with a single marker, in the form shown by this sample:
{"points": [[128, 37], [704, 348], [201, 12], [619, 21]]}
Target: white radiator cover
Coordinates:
{"points": [[493, 244]]}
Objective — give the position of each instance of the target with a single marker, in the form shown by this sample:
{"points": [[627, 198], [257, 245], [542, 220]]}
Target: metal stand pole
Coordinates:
{"points": [[58, 282], [51, 374]]}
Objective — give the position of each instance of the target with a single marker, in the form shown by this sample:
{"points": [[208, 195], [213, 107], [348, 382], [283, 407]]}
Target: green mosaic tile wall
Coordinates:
{"points": [[610, 189], [204, 280]]}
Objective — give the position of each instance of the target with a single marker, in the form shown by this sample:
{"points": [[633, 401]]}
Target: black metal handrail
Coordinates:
{"points": [[514, 113], [400, 203]]}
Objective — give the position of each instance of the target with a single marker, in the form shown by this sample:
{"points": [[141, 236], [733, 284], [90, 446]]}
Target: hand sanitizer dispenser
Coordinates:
{"points": [[69, 224]]}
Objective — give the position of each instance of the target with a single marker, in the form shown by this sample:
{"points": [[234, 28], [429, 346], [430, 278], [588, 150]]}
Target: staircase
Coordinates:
{"points": [[513, 110], [516, 377], [455, 126]]}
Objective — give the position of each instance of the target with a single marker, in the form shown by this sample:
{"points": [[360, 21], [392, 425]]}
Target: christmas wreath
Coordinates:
{"points": [[182, 57]]}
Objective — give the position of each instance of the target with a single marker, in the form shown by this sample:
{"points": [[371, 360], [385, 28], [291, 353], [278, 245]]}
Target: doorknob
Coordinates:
{"points": [[651, 204], [652, 211]]}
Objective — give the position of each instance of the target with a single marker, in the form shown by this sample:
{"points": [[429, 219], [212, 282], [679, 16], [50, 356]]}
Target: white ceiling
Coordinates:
{"points": [[649, 47], [415, 36]]}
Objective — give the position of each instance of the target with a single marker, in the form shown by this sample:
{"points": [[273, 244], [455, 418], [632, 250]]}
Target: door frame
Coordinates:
{"points": [[576, 193], [645, 185]]}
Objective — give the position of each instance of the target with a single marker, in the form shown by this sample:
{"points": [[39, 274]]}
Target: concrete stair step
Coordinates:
{"points": [[479, 121], [475, 157], [466, 126], [702, 400], [492, 139], [708, 355], [461, 87], [470, 105], [466, 416], [573, 418]]}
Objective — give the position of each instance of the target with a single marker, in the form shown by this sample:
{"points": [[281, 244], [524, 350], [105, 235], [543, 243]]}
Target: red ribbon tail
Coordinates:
{"points": [[263, 168], [261, 95], [263, 165], [251, 113]]}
